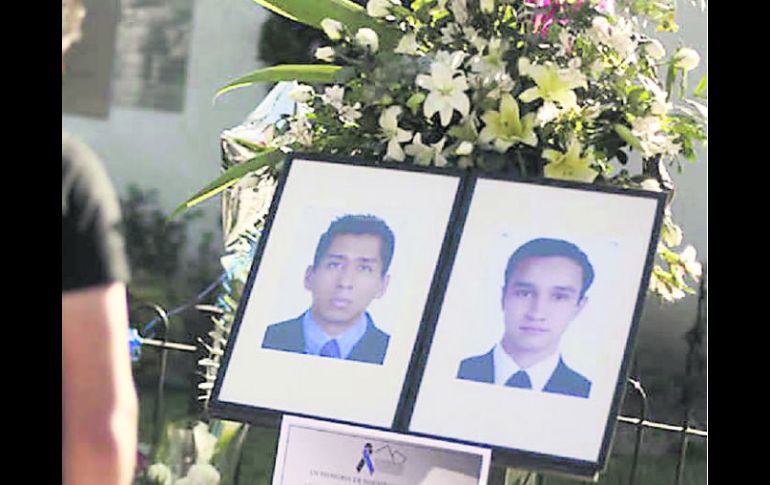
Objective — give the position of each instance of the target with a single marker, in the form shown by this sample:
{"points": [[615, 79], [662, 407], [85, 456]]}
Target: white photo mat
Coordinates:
{"points": [[615, 232], [417, 207]]}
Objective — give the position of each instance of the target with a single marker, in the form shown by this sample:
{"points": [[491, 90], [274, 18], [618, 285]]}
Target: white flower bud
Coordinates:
{"points": [[332, 28], [159, 474], [378, 8], [655, 49], [686, 59], [407, 45], [302, 93], [325, 54], [367, 38], [203, 474], [464, 148]]}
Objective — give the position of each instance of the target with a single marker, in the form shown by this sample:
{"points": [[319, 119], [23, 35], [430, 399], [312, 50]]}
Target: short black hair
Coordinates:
{"points": [[544, 247], [358, 224]]}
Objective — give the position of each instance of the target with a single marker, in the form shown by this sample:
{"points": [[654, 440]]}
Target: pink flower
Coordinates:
{"points": [[551, 8]]}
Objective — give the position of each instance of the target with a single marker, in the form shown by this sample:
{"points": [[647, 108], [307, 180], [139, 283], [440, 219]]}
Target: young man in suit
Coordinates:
{"points": [[545, 289], [349, 270]]}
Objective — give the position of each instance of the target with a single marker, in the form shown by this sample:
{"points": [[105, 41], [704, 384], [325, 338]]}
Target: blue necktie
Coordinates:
{"points": [[519, 379], [330, 349]]}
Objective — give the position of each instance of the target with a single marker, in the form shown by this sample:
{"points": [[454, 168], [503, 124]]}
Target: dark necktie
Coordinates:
{"points": [[330, 349], [519, 379]]}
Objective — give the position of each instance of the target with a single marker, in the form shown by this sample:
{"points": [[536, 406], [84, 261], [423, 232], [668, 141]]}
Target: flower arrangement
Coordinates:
{"points": [[562, 89]]}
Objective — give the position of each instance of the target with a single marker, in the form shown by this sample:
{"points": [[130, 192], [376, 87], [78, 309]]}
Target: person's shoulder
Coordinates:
{"points": [[475, 367], [568, 381], [284, 326], [375, 331]]}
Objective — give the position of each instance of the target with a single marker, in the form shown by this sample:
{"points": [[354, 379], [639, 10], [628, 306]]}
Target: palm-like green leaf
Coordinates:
{"points": [[231, 176], [312, 12], [288, 72]]}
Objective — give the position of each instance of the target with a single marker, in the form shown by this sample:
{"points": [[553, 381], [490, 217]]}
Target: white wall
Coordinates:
{"points": [[179, 153]]}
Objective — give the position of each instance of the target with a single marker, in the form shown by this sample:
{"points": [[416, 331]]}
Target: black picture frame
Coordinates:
{"points": [[269, 416], [521, 458], [403, 417]]}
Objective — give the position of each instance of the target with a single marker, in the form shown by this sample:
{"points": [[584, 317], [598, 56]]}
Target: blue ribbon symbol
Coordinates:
{"points": [[367, 459]]}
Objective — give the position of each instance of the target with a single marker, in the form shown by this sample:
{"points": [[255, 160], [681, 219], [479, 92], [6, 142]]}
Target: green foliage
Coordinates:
{"points": [[229, 178], [312, 13], [289, 72]]}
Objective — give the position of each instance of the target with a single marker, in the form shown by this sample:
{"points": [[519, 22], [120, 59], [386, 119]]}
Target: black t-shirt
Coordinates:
{"points": [[92, 246]]}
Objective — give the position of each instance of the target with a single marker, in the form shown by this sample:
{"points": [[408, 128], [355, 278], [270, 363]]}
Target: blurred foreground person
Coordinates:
{"points": [[99, 403]]}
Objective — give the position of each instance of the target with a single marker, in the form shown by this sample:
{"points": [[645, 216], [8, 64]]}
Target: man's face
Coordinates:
{"points": [[541, 299], [347, 278]]}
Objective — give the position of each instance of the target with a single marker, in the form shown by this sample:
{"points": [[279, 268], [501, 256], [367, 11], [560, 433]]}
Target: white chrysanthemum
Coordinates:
{"points": [[447, 91], [652, 139], [325, 54], [394, 134], [367, 38], [332, 28], [619, 36]]}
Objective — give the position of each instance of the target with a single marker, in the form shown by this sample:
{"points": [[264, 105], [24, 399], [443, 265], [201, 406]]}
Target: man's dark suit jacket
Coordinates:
{"points": [[563, 380], [289, 337]]}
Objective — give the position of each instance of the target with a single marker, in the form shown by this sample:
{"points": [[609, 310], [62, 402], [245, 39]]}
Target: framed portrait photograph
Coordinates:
{"points": [[533, 338], [318, 452], [336, 295]]}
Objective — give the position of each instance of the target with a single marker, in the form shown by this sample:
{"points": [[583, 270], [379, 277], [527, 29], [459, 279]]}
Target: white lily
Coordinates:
{"points": [[424, 154], [492, 63], [553, 84], [394, 134], [447, 91]]}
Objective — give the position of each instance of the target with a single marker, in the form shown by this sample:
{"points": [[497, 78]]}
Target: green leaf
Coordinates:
{"points": [[308, 73], [627, 136], [231, 176], [702, 86], [352, 15]]}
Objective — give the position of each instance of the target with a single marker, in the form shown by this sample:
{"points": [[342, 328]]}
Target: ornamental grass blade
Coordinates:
{"points": [[231, 176], [312, 12], [307, 73]]}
